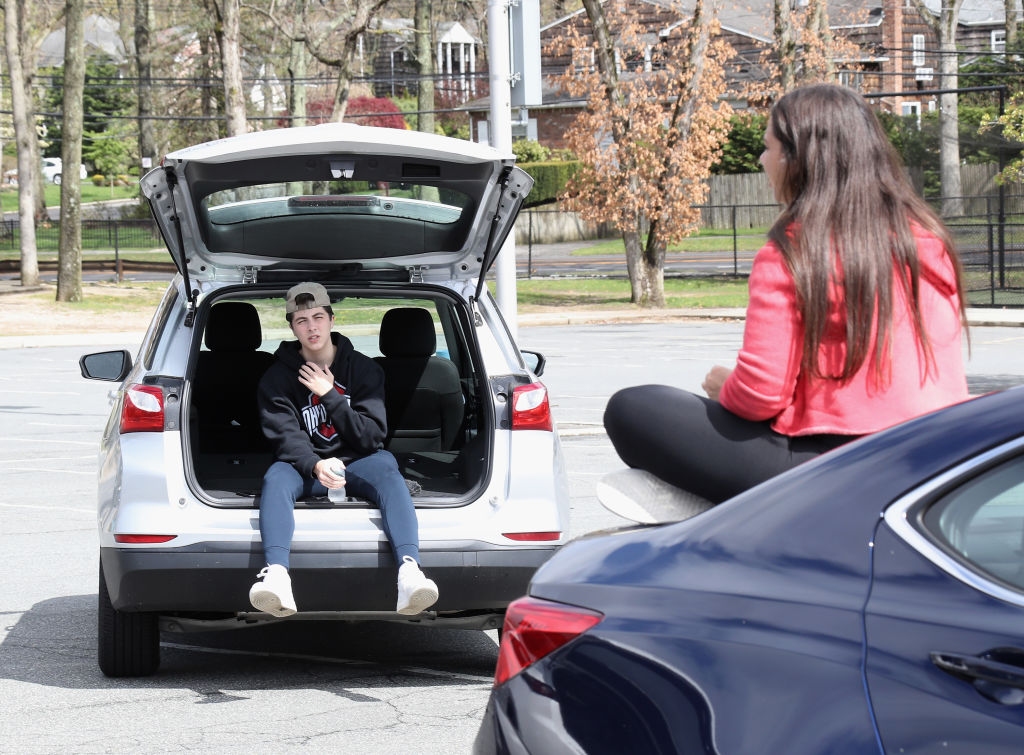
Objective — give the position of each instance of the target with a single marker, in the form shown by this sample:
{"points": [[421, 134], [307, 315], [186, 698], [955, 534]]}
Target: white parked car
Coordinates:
{"points": [[401, 227], [53, 169]]}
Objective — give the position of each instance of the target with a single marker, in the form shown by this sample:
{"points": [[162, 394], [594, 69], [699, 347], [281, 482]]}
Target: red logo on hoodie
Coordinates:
{"points": [[314, 414]]}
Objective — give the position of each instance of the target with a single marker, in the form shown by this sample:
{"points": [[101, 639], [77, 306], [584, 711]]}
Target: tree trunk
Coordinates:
{"points": [[634, 256], [817, 21], [342, 88], [298, 61], [69, 276], [208, 102], [425, 63], [231, 63], [945, 27], [144, 68], [23, 133], [1010, 21], [949, 122], [298, 65], [785, 43]]}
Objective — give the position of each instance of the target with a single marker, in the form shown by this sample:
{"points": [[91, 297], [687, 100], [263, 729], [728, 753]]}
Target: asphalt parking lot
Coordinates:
{"points": [[324, 686]]}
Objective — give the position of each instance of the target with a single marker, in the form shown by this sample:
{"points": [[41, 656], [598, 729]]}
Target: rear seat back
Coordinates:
{"points": [[423, 394], [226, 379]]}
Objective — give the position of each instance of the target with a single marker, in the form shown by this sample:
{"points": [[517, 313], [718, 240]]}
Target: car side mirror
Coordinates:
{"points": [[535, 361], [106, 365]]}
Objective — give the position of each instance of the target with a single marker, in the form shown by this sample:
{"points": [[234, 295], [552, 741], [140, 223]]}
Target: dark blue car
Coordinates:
{"points": [[869, 601]]}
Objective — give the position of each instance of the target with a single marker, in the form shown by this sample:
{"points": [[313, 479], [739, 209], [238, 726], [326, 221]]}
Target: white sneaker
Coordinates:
{"points": [[274, 594], [416, 593], [642, 497]]}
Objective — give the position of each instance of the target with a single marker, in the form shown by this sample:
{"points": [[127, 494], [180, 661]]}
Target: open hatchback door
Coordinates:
{"points": [[336, 201]]}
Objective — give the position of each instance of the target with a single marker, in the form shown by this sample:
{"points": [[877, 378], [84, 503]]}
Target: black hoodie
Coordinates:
{"points": [[303, 428]]}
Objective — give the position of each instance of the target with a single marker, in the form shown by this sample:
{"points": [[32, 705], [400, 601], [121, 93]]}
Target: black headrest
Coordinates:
{"points": [[233, 326], [407, 332]]}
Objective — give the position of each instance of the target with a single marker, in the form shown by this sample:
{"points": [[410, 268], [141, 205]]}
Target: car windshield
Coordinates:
{"points": [[302, 219]]}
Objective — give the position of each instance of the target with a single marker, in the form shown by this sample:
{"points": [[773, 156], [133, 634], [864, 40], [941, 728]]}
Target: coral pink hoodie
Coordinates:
{"points": [[769, 384]]}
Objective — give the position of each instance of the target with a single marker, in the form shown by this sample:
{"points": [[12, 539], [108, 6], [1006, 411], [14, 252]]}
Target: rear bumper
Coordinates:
{"points": [[216, 577]]}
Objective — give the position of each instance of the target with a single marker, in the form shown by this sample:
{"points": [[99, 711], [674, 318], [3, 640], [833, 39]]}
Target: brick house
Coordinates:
{"points": [[899, 53]]}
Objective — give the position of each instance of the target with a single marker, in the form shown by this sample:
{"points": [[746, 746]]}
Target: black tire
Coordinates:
{"points": [[129, 643], [56, 178]]}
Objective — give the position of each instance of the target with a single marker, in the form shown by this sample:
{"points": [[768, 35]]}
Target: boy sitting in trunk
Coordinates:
{"points": [[322, 409]]}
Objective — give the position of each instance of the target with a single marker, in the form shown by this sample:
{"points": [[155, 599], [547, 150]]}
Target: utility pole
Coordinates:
{"points": [[499, 63]]}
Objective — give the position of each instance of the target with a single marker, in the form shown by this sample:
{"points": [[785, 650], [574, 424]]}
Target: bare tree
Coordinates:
{"points": [[785, 43], [1011, 22], [69, 274], [423, 23], [945, 27], [331, 35], [231, 63], [228, 32], [144, 70], [24, 134], [210, 129]]}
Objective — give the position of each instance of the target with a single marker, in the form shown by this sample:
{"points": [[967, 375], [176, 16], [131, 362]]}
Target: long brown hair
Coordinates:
{"points": [[848, 210]]}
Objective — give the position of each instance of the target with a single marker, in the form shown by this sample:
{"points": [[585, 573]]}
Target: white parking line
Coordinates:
{"points": [[44, 440], [44, 458], [46, 508], [43, 393]]}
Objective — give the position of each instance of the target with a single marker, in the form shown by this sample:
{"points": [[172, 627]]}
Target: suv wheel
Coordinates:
{"points": [[129, 643], [56, 178]]}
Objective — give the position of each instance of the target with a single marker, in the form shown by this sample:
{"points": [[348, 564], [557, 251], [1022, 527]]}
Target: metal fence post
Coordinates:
{"points": [[117, 254], [529, 242], [735, 247]]}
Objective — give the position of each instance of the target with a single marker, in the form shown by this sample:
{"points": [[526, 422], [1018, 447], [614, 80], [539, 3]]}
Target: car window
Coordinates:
{"points": [[337, 220], [982, 522]]}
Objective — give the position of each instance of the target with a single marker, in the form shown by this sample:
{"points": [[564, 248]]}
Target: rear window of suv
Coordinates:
{"points": [[336, 220]]}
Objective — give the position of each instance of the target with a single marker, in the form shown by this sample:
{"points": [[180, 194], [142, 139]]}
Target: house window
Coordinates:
{"points": [[999, 40], [852, 79], [917, 58], [526, 130], [583, 59], [911, 109]]}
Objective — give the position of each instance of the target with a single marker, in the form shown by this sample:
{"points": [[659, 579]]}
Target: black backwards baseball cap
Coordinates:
{"points": [[315, 290]]}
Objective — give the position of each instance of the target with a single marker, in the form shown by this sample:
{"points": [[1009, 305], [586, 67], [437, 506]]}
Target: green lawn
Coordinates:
{"points": [[90, 193], [717, 291], [705, 241]]}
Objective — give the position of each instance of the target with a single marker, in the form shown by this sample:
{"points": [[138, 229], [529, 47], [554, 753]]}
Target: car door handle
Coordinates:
{"points": [[990, 673]]}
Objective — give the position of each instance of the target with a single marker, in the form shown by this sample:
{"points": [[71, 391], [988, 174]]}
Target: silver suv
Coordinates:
{"points": [[401, 227]]}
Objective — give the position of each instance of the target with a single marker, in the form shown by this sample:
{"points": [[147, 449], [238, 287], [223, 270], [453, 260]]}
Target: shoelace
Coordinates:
{"points": [[263, 572]]}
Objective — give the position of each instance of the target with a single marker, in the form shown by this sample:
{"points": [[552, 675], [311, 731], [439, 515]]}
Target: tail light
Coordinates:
{"points": [[143, 539], [142, 410], [534, 628], [530, 408], [531, 536]]}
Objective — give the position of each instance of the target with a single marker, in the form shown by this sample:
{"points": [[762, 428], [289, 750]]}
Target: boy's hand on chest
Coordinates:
{"points": [[320, 380]]}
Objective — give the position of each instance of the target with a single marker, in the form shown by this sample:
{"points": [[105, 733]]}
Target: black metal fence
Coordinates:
{"points": [[989, 236], [97, 235]]}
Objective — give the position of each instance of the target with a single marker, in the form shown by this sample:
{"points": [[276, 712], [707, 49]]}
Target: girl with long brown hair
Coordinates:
{"points": [[854, 322]]}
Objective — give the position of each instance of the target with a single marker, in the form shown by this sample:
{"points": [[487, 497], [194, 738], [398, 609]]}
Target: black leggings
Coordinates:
{"points": [[696, 444]]}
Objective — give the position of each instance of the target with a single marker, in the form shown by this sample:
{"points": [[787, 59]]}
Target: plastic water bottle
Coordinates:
{"points": [[338, 494]]}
